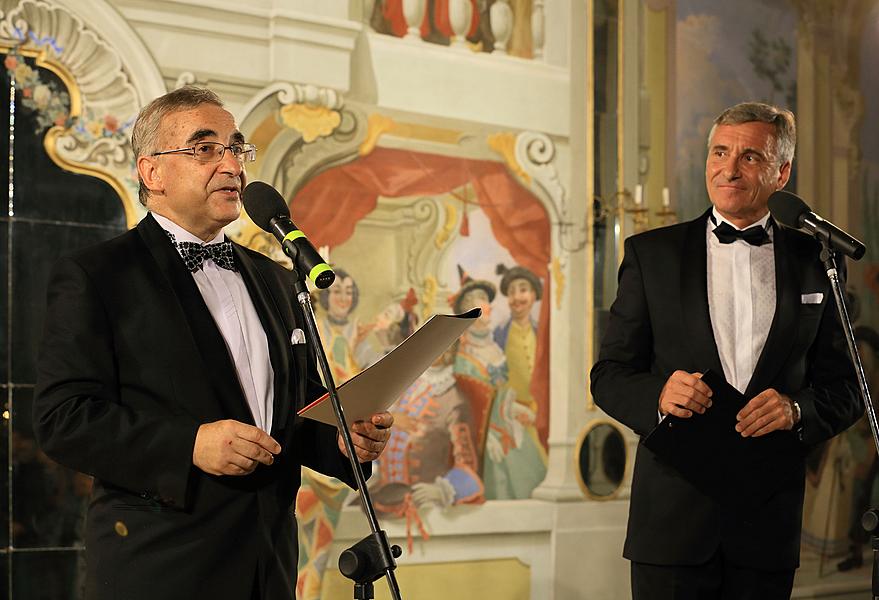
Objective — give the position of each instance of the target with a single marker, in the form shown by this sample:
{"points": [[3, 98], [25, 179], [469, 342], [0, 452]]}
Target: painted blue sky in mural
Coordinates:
{"points": [[721, 48]]}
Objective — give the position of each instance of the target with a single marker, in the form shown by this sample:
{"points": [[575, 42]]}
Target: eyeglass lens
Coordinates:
{"points": [[213, 151]]}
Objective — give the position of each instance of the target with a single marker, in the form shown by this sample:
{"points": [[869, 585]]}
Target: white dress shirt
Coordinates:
{"points": [[741, 300], [230, 305]]}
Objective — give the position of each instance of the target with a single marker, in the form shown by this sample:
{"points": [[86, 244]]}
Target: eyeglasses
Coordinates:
{"points": [[211, 152]]}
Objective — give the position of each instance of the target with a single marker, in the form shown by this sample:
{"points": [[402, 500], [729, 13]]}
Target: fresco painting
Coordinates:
{"points": [[466, 431]]}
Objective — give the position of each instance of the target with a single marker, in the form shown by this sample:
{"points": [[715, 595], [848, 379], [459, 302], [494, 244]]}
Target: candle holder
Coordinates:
{"points": [[640, 215], [667, 216]]}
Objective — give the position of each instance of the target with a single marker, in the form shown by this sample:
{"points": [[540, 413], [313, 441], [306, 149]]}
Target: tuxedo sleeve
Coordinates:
{"points": [[830, 401], [80, 419], [622, 382]]}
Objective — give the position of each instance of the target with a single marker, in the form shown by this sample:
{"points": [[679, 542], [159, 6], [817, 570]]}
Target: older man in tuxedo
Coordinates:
{"points": [[167, 371], [735, 293]]}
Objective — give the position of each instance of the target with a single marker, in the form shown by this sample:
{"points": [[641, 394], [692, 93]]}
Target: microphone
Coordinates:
{"points": [[268, 210], [789, 209]]}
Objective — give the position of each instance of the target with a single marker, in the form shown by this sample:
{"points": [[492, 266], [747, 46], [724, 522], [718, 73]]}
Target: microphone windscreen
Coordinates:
{"points": [[786, 208], [263, 203]]}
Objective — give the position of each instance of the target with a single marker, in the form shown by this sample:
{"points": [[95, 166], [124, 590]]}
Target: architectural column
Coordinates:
{"points": [[830, 106]]}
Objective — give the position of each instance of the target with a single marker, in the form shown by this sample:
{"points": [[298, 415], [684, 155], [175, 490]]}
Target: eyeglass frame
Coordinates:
{"points": [[245, 148]]}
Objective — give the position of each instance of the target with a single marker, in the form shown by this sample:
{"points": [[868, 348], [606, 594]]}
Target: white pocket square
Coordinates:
{"points": [[297, 337], [814, 298]]}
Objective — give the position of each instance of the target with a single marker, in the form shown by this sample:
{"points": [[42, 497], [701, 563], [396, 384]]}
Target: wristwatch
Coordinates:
{"points": [[798, 414]]}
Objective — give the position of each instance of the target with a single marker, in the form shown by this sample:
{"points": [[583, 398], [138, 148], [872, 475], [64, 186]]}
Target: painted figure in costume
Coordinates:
{"points": [[392, 325], [341, 335], [513, 462], [432, 457], [518, 336]]}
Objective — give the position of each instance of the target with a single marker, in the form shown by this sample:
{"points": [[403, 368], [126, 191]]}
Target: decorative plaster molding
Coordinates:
{"points": [[294, 93], [311, 121], [185, 78], [104, 102], [304, 161], [505, 145], [377, 125], [535, 153]]}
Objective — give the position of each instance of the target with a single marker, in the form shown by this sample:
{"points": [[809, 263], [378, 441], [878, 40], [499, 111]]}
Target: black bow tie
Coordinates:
{"points": [[194, 254], [727, 234]]}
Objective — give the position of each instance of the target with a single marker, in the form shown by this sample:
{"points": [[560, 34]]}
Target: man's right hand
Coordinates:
{"points": [[232, 448], [683, 394]]}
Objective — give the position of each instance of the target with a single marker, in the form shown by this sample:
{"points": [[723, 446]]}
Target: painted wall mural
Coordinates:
{"points": [[444, 235], [730, 53]]}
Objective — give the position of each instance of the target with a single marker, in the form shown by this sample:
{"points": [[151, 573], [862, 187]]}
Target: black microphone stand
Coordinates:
{"points": [[870, 519], [371, 557]]}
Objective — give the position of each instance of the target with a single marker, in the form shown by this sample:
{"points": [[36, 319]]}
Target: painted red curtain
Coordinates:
{"points": [[329, 206]]}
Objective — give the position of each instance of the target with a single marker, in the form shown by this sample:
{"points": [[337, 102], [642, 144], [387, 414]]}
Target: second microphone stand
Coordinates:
{"points": [[870, 519], [371, 557]]}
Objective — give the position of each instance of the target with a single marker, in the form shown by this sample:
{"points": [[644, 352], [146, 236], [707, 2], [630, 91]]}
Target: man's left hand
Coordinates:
{"points": [[766, 412], [369, 437]]}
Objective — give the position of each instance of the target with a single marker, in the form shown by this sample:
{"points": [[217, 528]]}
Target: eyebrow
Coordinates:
{"points": [[201, 134], [744, 151]]}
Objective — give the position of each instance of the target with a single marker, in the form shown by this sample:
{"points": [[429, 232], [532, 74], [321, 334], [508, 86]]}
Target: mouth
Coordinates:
{"points": [[231, 190]]}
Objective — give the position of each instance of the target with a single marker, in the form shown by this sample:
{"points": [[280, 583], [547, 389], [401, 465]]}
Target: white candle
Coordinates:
{"points": [[665, 199], [639, 195]]}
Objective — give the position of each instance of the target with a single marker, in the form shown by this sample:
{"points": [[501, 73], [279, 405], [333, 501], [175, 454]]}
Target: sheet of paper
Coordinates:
{"points": [[378, 387]]}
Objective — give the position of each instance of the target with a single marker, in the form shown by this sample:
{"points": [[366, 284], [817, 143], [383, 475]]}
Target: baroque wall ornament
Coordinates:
{"points": [[535, 155], [308, 130], [90, 121]]}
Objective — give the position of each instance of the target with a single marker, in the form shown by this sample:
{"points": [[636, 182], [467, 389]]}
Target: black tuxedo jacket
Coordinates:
{"points": [[660, 323], [131, 364]]}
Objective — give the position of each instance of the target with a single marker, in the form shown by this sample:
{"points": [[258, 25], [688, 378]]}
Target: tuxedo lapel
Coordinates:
{"points": [[694, 298], [266, 301], [204, 374], [787, 310]]}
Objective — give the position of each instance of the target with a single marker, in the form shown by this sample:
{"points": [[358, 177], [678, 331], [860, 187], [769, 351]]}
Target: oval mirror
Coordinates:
{"points": [[601, 460]]}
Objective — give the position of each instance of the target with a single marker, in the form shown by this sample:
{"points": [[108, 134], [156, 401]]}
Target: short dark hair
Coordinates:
{"points": [[782, 119], [145, 133]]}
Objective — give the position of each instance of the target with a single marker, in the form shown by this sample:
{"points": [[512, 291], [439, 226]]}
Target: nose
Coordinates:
{"points": [[730, 169], [230, 164]]}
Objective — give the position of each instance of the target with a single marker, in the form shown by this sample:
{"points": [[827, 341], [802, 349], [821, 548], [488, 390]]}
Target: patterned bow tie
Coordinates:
{"points": [[195, 254], [727, 234]]}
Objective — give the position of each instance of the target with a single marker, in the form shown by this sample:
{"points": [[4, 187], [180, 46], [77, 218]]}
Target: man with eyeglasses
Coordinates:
{"points": [[167, 372]]}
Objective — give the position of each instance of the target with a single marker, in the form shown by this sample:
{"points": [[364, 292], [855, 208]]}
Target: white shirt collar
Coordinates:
{"points": [[718, 219], [182, 235]]}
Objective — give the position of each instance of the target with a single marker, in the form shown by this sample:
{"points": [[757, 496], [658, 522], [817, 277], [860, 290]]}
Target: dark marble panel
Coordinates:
{"points": [[4, 461], [35, 248], [4, 301], [48, 575], [5, 560], [48, 501]]}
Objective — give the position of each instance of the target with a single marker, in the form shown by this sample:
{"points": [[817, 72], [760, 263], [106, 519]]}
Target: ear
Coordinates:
{"points": [[784, 174], [150, 175]]}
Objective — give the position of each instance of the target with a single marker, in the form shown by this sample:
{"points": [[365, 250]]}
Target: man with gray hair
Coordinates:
{"points": [[167, 372], [736, 294]]}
